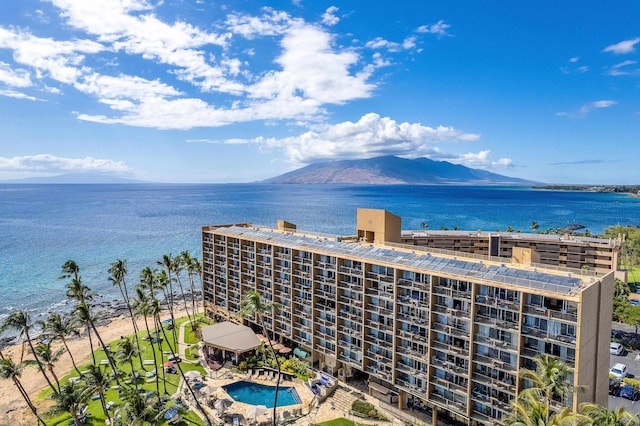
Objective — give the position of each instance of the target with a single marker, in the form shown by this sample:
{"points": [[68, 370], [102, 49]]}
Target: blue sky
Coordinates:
{"points": [[210, 91]]}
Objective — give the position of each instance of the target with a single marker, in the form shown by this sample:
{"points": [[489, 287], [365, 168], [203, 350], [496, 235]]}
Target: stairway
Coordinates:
{"points": [[342, 399]]}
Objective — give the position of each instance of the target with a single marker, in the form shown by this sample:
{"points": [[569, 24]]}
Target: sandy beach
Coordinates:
{"points": [[14, 410]]}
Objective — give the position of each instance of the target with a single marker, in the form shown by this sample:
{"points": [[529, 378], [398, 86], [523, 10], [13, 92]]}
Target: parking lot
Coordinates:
{"points": [[633, 368]]}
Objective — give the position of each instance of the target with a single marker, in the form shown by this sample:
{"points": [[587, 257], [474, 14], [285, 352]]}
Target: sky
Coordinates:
{"points": [[235, 91]]}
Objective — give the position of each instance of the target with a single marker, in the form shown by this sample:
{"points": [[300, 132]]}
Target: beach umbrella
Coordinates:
{"points": [[171, 413], [193, 374], [167, 364], [208, 390], [261, 337], [222, 404], [256, 410], [278, 346], [285, 350]]}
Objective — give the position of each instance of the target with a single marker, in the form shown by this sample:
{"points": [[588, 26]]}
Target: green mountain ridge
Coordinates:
{"points": [[393, 170]]}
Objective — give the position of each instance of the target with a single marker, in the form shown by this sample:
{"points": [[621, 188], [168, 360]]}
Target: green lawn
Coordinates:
{"points": [[339, 422], [171, 381]]}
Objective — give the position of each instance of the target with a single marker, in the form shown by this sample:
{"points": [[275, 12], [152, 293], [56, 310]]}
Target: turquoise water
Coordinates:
{"points": [[257, 394], [42, 226]]}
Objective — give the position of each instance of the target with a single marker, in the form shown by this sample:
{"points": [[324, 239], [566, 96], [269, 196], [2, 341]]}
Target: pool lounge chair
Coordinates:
{"points": [[255, 374], [268, 375]]}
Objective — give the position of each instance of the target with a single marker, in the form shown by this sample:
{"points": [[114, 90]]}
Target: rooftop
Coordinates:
{"points": [[559, 281]]}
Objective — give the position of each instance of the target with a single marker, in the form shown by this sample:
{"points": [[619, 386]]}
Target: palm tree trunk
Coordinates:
{"points": [[186, 382], [164, 375], [103, 402], [155, 360], [40, 366], [25, 395], [73, 361], [93, 355], [184, 300], [125, 297], [107, 352], [193, 297], [53, 373], [275, 356]]}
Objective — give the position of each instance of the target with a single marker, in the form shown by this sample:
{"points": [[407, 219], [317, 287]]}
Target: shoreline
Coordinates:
{"points": [[14, 409]]}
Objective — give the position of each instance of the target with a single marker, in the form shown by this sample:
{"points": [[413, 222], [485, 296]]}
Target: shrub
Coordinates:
{"points": [[366, 410], [632, 382]]}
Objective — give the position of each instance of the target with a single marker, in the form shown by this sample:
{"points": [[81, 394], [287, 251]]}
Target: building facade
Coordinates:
{"points": [[447, 331], [598, 254]]}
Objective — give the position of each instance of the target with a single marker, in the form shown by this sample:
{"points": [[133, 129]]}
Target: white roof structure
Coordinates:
{"points": [[230, 336]]}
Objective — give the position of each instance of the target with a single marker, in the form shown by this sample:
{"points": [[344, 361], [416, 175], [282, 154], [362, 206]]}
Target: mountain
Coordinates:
{"points": [[79, 178], [394, 170]]}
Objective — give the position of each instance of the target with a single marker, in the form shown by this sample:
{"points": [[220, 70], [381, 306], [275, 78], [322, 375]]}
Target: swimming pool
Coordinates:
{"points": [[257, 394]]}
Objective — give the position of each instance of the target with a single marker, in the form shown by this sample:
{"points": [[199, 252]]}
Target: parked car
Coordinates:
{"points": [[619, 371], [616, 348], [614, 387], [629, 392], [174, 359]]}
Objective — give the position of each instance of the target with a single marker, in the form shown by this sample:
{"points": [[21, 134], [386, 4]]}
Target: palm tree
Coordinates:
{"points": [[168, 263], [194, 268], [20, 322], [58, 327], [161, 281], [84, 317], [144, 305], [72, 398], [125, 352], [136, 410], [10, 370], [99, 381], [87, 317], [177, 364], [178, 267], [48, 359], [531, 410], [601, 416], [118, 272], [78, 291], [534, 226], [252, 306], [549, 380], [70, 269]]}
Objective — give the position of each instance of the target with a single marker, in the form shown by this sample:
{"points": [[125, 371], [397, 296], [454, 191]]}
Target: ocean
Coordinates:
{"points": [[43, 226]]}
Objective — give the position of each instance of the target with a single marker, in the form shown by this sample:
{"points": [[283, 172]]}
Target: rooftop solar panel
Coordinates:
{"points": [[425, 261]]}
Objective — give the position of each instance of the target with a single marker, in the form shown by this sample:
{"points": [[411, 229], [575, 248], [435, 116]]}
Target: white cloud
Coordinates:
{"points": [[310, 69], [439, 28], [271, 23], [371, 136], [59, 60], [17, 95], [622, 68], [574, 59], [46, 163], [310, 65], [14, 77], [587, 108], [481, 160], [329, 18], [623, 47]]}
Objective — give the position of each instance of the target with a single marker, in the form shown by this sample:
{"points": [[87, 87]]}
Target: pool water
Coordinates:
{"points": [[257, 394]]}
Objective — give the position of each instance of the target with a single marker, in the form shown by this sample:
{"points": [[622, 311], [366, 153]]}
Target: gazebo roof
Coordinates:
{"points": [[230, 336]]}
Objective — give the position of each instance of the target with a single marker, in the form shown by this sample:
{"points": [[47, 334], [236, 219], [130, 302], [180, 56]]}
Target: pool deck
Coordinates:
{"points": [[309, 412]]}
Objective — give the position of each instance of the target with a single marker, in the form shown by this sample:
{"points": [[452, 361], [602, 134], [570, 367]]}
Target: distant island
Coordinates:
{"points": [[623, 189], [391, 170]]}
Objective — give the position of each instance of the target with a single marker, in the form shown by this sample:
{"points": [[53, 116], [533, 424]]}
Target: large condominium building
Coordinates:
{"points": [[601, 255], [440, 329]]}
